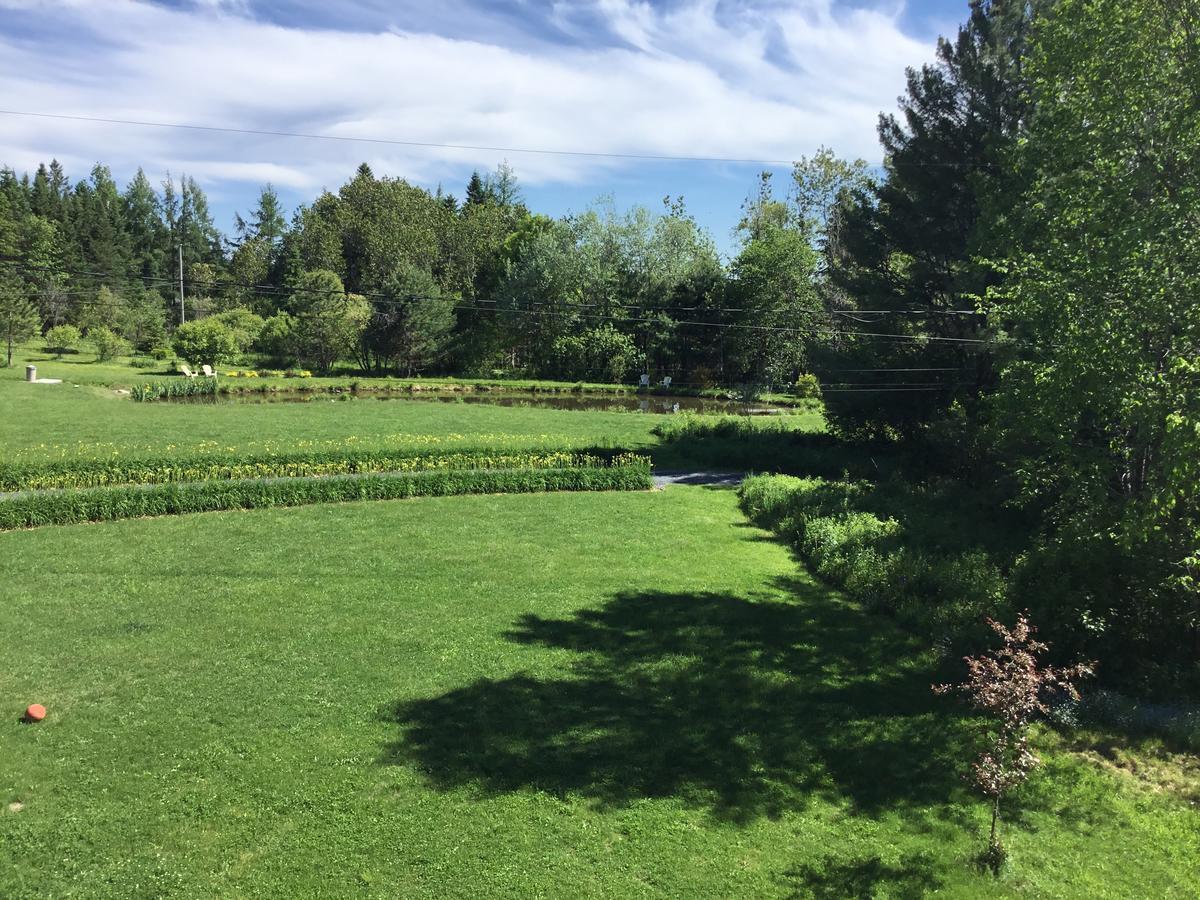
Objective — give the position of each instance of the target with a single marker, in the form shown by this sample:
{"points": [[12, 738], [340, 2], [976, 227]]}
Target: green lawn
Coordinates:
{"points": [[62, 417], [51, 421], [513, 696]]}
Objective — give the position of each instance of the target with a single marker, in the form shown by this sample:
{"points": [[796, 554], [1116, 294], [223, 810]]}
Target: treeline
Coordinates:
{"points": [[394, 279]]}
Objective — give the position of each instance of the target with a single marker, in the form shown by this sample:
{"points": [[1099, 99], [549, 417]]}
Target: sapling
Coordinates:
{"points": [[1009, 686]]}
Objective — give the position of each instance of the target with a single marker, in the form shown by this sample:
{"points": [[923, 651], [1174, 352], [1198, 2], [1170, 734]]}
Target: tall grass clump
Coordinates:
{"points": [[174, 388]]}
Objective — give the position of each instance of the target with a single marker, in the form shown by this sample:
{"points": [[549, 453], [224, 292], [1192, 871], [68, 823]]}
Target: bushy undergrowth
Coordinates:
{"points": [[770, 443], [889, 563], [102, 504], [938, 558], [82, 473]]}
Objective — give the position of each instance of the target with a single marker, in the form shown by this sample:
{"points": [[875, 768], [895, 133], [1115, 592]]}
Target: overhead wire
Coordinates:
{"points": [[386, 299], [355, 139]]}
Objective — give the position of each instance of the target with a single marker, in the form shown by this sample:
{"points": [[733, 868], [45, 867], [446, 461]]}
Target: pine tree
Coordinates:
{"points": [[477, 193], [146, 229], [909, 244]]}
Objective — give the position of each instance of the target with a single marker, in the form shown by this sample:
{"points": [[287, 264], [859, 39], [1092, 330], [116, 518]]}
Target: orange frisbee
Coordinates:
{"points": [[35, 712]]}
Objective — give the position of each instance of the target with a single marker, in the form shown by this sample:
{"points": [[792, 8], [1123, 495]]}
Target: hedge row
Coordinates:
{"points": [[102, 504], [83, 473]]}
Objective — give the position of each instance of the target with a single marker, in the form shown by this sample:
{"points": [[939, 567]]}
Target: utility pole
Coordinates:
{"points": [[182, 314]]}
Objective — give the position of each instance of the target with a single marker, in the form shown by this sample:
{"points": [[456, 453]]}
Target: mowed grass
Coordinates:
{"points": [[45, 422], [62, 417], [504, 696]]}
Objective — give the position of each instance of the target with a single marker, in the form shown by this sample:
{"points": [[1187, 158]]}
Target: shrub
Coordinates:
{"points": [[600, 354], [107, 343], [886, 567], [62, 339], [207, 341], [807, 386], [276, 339]]}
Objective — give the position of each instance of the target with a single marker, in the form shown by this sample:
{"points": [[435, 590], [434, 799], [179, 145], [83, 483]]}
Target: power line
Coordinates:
{"points": [[262, 132], [598, 154], [385, 299]]}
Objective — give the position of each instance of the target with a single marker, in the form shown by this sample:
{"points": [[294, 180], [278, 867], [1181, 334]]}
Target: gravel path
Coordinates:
{"points": [[722, 479]]}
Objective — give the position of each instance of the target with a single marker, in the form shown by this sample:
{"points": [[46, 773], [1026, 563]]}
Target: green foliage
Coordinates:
{"points": [[599, 354], [106, 504], [909, 245], [106, 343], [245, 326], [276, 339], [410, 325], [326, 321], [915, 569], [1097, 419], [63, 339], [807, 386], [103, 311], [205, 342], [18, 316], [773, 287]]}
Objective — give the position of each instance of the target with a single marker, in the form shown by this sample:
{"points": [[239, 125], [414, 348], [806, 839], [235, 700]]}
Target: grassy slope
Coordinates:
{"points": [[610, 695]]}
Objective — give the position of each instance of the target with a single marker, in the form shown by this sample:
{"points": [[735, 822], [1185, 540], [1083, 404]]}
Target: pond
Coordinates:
{"points": [[600, 403]]}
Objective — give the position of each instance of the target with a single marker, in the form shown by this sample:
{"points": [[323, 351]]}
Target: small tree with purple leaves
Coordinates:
{"points": [[1009, 685]]}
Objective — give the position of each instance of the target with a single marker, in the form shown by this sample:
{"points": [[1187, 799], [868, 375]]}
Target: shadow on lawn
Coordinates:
{"points": [[912, 877], [744, 707]]}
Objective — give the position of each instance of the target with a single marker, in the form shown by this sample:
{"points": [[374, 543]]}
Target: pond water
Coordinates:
{"points": [[652, 404]]}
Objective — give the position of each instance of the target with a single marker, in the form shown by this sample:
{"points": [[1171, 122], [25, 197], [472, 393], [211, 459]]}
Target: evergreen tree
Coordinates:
{"points": [[19, 319], [146, 229], [477, 193], [909, 243]]}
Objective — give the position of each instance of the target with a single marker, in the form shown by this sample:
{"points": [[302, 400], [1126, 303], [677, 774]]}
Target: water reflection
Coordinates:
{"points": [[655, 404]]}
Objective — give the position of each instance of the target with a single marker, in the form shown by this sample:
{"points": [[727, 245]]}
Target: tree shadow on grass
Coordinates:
{"points": [[911, 877], [745, 707]]}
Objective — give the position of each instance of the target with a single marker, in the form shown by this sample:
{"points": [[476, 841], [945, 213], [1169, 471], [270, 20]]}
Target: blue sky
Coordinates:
{"points": [[760, 79]]}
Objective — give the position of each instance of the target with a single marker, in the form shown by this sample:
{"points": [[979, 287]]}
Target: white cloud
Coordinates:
{"points": [[773, 82]]}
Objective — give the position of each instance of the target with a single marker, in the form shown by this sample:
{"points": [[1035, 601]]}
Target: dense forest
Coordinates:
{"points": [[1017, 288]]}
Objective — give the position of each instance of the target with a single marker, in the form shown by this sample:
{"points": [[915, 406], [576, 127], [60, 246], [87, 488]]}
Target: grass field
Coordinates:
{"points": [[561, 695], [56, 421]]}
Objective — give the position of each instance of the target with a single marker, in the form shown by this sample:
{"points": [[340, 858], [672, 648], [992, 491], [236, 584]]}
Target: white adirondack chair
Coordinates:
{"points": [[208, 371], [188, 373], [666, 382], [644, 381]]}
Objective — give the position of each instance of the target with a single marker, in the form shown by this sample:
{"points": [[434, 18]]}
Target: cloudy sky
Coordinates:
{"points": [[743, 79]]}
